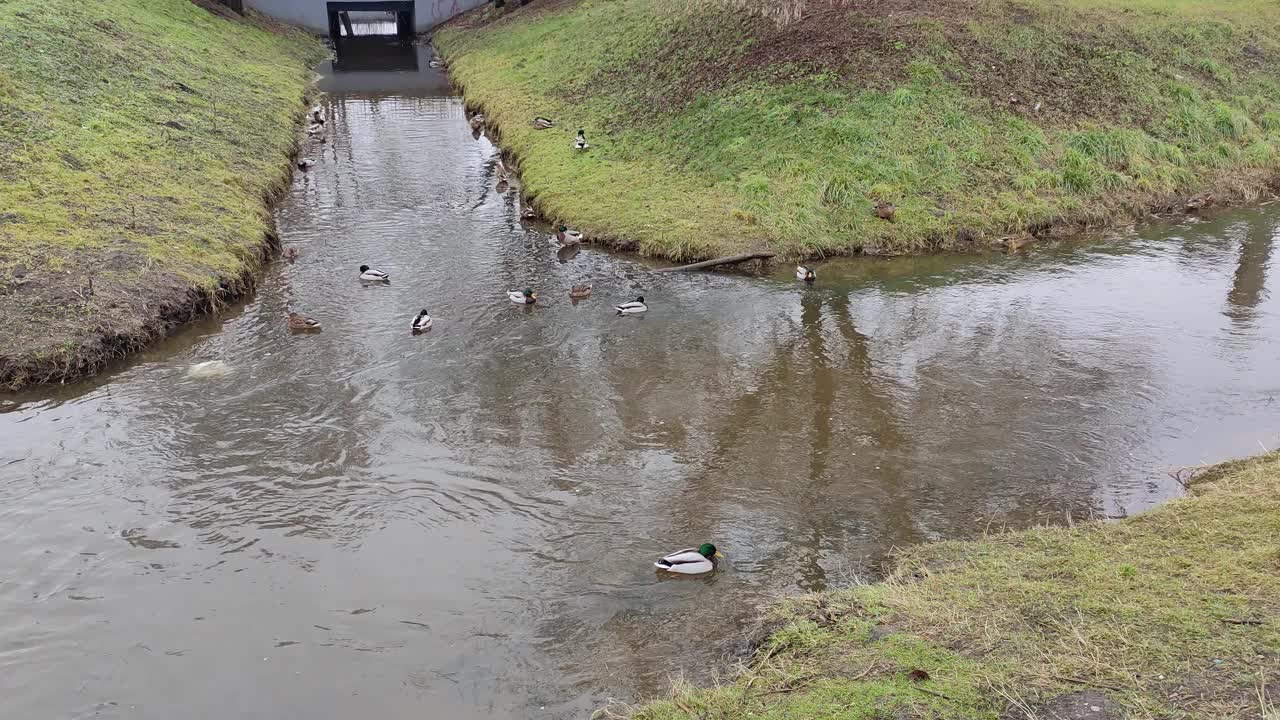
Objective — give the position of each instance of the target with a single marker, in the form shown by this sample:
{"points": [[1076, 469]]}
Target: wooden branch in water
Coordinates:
{"points": [[730, 260]]}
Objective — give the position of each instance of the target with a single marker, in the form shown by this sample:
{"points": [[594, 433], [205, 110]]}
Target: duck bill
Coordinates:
{"points": [[719, 554]]}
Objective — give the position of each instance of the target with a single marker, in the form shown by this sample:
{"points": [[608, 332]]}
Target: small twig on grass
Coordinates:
{"points": [[1241, 621], [1087, 683]]}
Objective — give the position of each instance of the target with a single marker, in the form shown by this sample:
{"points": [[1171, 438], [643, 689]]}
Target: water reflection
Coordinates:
{"points": [[365, 521]]}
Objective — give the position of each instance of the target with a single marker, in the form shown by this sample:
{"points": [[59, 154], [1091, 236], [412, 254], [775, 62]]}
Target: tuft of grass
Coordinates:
{"points": [[702, 116], [1170, 613], [139, 142]]}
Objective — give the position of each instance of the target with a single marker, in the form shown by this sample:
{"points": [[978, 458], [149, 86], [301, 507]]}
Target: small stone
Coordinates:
{"points": [[1095, 708]]}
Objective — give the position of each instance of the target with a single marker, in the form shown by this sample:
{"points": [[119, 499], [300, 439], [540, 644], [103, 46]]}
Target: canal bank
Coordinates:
{"points": [[873, 127], [1170, 613], [141, 145], [462, 523]]}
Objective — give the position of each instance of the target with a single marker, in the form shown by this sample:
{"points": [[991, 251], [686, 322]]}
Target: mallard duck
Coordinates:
{"points": [[690, 561], [291, 253], [528, 213], [886, 211], [565, 236], [580, 142], [631, 308], [541, 123], [477, 121], [580, 291], [435, 63], [302, 323], [316, 117], [527, 297], [502, 185], [305, 163], [422, 322], [805, 274], [368, 274]]}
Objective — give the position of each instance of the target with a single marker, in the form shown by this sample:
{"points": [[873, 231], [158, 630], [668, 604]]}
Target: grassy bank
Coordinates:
{"points": [[1171, 614], [714, 130], [139, 140]]}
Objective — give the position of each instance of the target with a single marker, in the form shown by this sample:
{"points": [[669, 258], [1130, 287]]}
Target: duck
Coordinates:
{"points": [[435, 63], [302, 323], [291, 253], [580, 142], [421, 322], [477, 121], [565, 236], [209, 369], [541, 123], [502, 185], [578, 292], [886, 210], [690, 561], [315, 129], [316, 117], [527, 297], [368, 274], [528, 213], [805, 274], [305, 163], [632, 308]]}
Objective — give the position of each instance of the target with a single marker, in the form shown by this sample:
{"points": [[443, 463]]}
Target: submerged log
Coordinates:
{"points": [[730, 260]]}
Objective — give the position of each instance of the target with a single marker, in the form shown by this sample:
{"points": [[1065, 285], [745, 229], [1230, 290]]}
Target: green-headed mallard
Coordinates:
{"points": [[690, 561]]}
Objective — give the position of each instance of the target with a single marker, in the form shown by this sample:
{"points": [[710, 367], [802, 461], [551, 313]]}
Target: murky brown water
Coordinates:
{"points": [[362, 523]]}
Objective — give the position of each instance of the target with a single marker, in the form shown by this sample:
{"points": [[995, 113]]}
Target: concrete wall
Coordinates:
{"points": [[311, 14]]}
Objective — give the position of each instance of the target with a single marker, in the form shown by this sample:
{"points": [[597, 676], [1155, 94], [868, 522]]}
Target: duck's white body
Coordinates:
{"points": [[422, 322], [580, 142], [686, 562], [569, 237], [209, 369], [368, 274], [519, 298], [804, 273], [632, 308]]}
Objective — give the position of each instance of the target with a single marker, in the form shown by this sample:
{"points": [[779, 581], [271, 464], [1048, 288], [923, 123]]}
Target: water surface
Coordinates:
{"points": [[462, 524]]}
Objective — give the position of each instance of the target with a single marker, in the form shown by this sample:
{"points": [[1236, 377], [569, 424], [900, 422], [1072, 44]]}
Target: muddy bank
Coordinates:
{"points": [[166, 132]]}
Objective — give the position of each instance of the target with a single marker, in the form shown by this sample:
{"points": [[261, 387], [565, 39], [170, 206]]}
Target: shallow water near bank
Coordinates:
{"points": [[462, 524]]}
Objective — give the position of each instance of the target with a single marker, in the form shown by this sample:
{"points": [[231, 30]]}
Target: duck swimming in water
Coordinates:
{"points": [[690, 561], [421, 322], [302, 323], [368, 274], [634, 307], [805, 274], [527, 297], [565, 236]]}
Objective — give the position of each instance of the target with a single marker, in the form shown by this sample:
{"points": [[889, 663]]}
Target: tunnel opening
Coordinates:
{"points": [[372, 19]]}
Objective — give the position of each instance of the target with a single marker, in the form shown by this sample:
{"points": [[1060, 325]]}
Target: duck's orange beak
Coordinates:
{"points": [[718, 554]]}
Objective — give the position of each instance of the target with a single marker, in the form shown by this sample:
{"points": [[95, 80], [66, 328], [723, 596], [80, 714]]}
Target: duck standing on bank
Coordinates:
{"points": [[527, 297], [805, 274], [316, 117], [422, 322], [690, 561], [632, 308], [368, 274], [580, 142]]}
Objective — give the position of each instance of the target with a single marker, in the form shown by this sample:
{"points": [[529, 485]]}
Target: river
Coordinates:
{"points": [[462, 524]]}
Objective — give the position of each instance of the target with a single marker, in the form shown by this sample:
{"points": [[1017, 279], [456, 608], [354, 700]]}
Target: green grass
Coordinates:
{"points": [[1174, 613], [138, 140], [713, 131]]}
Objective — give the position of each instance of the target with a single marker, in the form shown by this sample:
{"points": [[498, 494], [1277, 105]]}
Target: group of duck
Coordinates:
{"points": [[298, 322]]}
